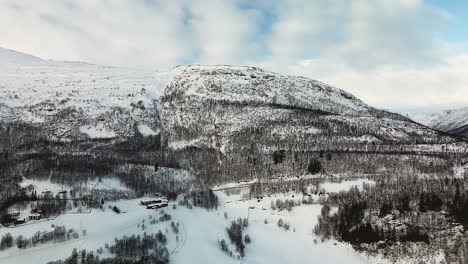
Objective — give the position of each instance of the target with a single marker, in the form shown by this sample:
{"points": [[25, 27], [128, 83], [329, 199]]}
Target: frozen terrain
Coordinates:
{"points": [[77, 100], [447, 120], [200, 231]]}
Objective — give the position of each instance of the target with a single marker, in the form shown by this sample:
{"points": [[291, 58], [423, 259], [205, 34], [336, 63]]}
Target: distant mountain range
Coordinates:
{"points": [[453, 121]]}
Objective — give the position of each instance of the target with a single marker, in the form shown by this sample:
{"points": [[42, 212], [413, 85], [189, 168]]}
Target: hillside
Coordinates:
{"points": [[301, 160], [452, 121], [9, 57], [463, 130], [73, 100], [243, 119], [247, 119]]}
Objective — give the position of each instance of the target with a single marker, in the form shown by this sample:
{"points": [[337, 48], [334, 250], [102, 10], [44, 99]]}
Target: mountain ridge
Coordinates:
{"points": [[75, 98], [8, 56], [452, 121]]}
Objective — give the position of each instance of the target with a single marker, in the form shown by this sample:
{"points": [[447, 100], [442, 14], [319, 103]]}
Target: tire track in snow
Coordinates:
{"points": [[182, 240]]}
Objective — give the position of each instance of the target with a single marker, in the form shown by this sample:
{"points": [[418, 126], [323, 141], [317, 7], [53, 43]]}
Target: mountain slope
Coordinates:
{"points": [[463, 130], [73, 100], [13, 57], [246, 121], [224, 122], [453, 121], [257, 91], [450, 120]]}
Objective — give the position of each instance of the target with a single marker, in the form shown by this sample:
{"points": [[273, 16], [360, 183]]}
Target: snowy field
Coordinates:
{"points": [[336, 187], [41, 185], [199, 232], [104, 183]]}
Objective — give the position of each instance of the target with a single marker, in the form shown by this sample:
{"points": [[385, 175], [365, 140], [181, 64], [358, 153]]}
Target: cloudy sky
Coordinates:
{"points": [[396, 54]]}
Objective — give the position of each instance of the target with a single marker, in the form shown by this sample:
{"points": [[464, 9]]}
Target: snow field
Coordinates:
{"points": [[345, 185], [199, 233]]}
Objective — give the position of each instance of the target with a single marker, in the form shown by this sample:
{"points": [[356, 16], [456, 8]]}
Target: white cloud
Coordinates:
{"points": [[359, 34], [106, 32], [388, 52], [221, 31], [442, 86], [130, 33]]}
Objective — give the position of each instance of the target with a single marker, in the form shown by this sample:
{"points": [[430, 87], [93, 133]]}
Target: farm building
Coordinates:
{"points": [[35, 217], [150, 202]]}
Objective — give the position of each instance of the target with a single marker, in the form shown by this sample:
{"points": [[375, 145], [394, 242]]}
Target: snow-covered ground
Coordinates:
{"points": [[147, 131], [75, 99], [460, 171], [345, 185], [199, 232], [98, 131], [41, 185], [109, 183], [270, 244], [105, 183]]}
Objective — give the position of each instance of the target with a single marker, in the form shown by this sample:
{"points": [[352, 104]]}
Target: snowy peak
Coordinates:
{"points": [[78, 100], [255, 85], [73, 100], [8, 56], [451, 119], [448, 120], [215, 107]]}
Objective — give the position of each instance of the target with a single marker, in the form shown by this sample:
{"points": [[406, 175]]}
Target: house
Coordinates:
{"points": [[150, 202], [35, 217]]}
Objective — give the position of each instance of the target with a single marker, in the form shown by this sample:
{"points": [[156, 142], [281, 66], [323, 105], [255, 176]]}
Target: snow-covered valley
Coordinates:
{"points": [[256, 166], [200, 231]]}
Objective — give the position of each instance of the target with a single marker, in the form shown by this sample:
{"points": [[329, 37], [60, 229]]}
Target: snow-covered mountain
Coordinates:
{"points": [[241, 117], [423, 117], [449, 120], [9, 57], [460, 131], [233, 99], [229, 112], [75, 100], [264, 142]]}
